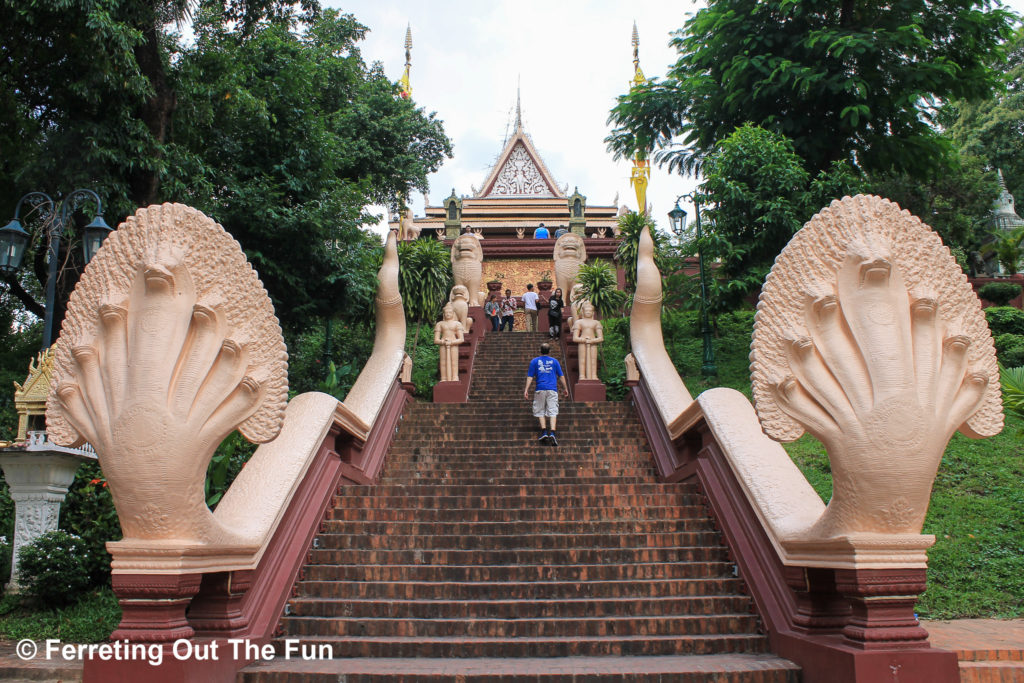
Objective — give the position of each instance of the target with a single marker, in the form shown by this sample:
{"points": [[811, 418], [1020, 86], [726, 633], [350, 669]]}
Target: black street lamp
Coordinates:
{"points": [[677, 219], [14, 240]]}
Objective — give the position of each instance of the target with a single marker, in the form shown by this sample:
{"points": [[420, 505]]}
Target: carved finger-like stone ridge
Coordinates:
{"points": [[861, 253], [165, 291]]}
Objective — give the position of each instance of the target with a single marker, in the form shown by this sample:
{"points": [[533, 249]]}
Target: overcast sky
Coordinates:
{"points": [[571, 58]]}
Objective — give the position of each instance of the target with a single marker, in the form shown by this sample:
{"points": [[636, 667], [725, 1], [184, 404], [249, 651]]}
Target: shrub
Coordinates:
{"points": [[53, 568], [1005, 320], [999, 293], [425, 371], [88, 513], [1012, 380], [600, 288]]}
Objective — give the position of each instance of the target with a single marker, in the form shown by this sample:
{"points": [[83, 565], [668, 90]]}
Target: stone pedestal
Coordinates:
{"points": [[38, 481], [588, 391]]}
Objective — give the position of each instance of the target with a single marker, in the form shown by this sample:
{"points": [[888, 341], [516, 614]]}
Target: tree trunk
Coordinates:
{"points": [[156, 113]]}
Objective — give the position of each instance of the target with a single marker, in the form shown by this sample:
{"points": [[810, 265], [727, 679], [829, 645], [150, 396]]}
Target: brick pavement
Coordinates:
{"points": [[990, 650]]}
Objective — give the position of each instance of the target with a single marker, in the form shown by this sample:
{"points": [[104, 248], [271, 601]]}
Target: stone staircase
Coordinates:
{"points": [[484, 555]]}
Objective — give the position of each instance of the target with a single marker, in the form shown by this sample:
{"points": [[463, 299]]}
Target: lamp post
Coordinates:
{"points": [[14, 239], [677, 218]]}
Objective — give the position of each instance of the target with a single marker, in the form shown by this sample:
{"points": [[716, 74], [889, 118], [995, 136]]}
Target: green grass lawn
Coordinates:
{"points": [[90, 620], [976, 567]]}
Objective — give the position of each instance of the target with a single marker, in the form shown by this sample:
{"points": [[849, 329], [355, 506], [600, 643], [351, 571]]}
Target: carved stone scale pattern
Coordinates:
{"points": [[520, 176]]}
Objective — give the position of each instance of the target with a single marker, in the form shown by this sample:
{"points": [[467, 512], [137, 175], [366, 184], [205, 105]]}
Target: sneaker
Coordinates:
{"points": [[544, 436], [552, 441]]}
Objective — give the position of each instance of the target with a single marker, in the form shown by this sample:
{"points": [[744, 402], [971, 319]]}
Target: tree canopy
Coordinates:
{"points": [[993, 129], [846, 81], [269, 121], [756, 195]]}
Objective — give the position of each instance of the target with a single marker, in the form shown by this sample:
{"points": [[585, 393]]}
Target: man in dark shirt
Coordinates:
{"points": [[547, 371]]}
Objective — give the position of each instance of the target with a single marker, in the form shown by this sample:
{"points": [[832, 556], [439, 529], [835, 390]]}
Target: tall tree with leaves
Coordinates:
{"points": [[957, 203], [993, 129], [846, 81], [630, 227], [756, 195], [286, 137], [270, 122]]}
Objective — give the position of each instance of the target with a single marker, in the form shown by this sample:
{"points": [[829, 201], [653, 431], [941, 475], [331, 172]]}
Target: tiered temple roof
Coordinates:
{"points": [[519, 193]]}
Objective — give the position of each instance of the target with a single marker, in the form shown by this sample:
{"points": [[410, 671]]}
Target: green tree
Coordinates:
{"points": [[270, 122], [756, 195], [956, 203], [333, 136], [993, 129], [630, 227], [845, 81]]}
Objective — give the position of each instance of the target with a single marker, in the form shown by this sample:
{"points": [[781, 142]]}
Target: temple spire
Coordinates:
{"points": [[405, 82], [638, 75], [519, 110], [641, 169]]}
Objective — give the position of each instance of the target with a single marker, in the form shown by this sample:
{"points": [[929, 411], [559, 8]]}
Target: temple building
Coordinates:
{"points": [[1004, 217], [518, 196]]}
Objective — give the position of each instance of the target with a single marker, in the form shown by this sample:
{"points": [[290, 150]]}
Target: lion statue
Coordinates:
{"points": [[570, 254], [467, 265]]}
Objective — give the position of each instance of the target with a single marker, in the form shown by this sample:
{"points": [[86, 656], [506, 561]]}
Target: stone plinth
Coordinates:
{"points": [[588, 391], [38, 480]]}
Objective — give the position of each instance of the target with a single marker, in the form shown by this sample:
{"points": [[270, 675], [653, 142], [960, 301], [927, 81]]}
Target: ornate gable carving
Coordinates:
{"points": [[37, 385], [520, 172], [520, 176]]}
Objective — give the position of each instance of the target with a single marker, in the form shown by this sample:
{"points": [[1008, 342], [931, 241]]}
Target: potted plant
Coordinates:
{"points": [[494, 285], [544, 283]]}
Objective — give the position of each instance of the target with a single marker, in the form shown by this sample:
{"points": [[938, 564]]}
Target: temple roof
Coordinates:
{"points": [[1004, 217], [518, 195], [519, 171]]}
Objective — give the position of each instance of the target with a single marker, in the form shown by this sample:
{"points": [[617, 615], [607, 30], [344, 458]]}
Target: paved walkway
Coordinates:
{"points": [[990, 650]]}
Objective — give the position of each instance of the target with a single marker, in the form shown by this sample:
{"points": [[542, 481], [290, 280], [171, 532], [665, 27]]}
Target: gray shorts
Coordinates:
{"points": [[545, 403]]}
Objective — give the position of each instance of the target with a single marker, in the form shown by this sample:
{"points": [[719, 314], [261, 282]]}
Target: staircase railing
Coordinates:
{"points": [[192, 582], [839, 605]]}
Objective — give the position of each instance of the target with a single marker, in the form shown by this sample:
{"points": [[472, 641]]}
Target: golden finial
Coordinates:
{"points": [[519, 111], [641, 174], [638, 76], [406, 83]]}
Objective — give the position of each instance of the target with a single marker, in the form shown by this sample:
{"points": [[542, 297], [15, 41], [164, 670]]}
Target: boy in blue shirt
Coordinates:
{"points": [[548, 373]]}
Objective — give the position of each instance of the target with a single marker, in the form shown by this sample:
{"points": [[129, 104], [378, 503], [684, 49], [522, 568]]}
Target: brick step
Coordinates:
{"points": [[523, 590], [516, 404], [518, 609], [513, 529], [518, 573], [512, 426], [528, 453], [567, 442], [410, 463], [506, 478], [660, 625], [602, 514], [738, 668], [547, 473], [481, 555], [539, 467], [442, 499], [583, 538], [503, 492], [558, 646]]}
